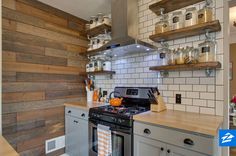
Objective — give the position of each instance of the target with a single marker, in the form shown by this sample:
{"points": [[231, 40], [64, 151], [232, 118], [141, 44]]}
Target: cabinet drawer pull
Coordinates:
{"points": [[69, 111], [168, 151], [83, 115], [76, 121], [162, 149], [188, 141], [146, 131]]}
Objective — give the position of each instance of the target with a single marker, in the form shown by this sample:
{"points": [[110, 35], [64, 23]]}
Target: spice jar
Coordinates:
{"points": [[205, 14], [99, 19], [180, 56], [163, 24], [190, 55], [163, 54], [207, 51], [190, 17], [97, 65], [93, 22], [177, 20], [171, 57]]}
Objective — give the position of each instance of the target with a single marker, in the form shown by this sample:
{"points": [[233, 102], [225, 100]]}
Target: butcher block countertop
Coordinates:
{"points": [[194, 122], [6, 149], [84, 105]]}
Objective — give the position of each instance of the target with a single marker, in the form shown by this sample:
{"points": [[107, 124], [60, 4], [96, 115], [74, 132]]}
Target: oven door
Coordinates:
{"points": [[121, 141]]}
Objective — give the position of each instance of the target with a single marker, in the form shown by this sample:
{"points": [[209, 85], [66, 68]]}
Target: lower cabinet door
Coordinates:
{"points": [[148, 147], [177, 151], [76, 136]]}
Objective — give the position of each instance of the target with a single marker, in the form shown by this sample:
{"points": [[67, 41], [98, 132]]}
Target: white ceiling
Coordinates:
{"points": [[81, 8]]}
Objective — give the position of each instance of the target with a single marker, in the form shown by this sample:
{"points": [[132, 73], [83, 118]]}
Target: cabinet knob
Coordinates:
{"points": [[168, 151], [76, 121], [188, 141], [69, 111], [146, 131], [83, 115], [162, 149]]}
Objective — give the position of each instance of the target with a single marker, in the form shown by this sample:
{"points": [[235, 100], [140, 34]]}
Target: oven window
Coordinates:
{"points": [[117, 143]]}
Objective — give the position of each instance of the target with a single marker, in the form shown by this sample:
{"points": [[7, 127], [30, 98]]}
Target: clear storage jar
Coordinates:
{"points": [[163, 55], [207, 51], [177, 20], [191, 55], [190, 17], [171, 57], [180, 56], [162, 25], [205, 14]]}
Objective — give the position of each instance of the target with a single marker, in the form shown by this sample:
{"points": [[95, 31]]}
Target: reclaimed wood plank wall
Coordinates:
{"points": [[42, 69]]}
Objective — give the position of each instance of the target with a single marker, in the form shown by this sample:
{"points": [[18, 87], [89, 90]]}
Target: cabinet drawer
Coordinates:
{"points": [[79, 113], [190, 141]]}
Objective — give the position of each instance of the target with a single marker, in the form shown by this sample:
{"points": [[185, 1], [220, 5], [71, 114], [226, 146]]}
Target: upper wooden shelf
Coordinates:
{"points": [[171, 5], [101, 73], [99, 30], [198, 29], [197, 66]]}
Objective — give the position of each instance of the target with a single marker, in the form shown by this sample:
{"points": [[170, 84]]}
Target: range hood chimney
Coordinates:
{"points": [[124, 31]]}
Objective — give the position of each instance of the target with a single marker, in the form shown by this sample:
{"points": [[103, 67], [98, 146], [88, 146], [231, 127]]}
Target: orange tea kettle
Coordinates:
{"points": [[116, 102]]}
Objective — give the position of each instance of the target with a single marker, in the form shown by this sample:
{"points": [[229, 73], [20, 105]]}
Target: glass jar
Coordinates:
{"points": [[106, 20], [99, 19], [190, 17], [180, 56], [171, 57], [93, 22], [207, 51], [177, 20], [163, 55], [205, 14], [98, 65], [191, 55], [162, 25]]}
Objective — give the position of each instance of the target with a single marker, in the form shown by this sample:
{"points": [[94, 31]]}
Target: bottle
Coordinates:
{"points": [[100, 95]]}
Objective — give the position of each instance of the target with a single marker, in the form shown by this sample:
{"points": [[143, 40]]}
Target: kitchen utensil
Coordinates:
{"points": [[116, 101], [106, 66]]}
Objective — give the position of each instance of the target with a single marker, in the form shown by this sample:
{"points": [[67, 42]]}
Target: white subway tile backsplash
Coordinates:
{"points": [[208, 96], [200, 88], [193, 109], [187, 101], [205, 110], [210, 103], [168, 80], [219, 93], [180, 107], [192, 81], [179, 80], [198, 102], [168, 93], [186, 74], [219, 108], [173, 87], [186, 87], [207, 81], [194, 95]]}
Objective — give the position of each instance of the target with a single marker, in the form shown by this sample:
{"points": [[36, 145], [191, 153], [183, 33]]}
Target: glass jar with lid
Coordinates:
{"points": [[180, 56], [206, 13], [99, 19], [177, 20], [93, 21], [171, 57], [163, 54], [190, 17], [207, 50], [163, 24], [191, 55]]}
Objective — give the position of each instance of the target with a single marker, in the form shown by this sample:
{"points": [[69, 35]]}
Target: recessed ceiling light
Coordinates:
{"points": [[147, 49], [115, 55], [138, 46]]}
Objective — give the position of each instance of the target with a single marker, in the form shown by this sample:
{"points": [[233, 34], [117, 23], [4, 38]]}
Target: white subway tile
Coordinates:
{"points": [[168, 81], [194, 95], [210, 103], [171, 100], [186, 87], [210, 111], [186, 73], [207, 96], [198, 102], [219, 93], [187, 101], [192, 81], [180, 107], [162, 87], [200, 88], [168, 93], [207, 81], [179, 81], [211, 88], [220, 108], [139, 70], [193, 109], [173, 87], [173, 74], [139, 81], [170, 106]]}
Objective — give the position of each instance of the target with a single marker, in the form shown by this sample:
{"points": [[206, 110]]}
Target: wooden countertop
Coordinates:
{"points": [[194, 122], [6, 149], [84, 105]]}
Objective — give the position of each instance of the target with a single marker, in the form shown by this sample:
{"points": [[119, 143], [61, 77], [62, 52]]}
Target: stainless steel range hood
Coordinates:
{"points": [[124, 31]]}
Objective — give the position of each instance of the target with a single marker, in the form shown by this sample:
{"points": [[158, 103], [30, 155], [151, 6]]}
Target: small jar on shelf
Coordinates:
{"points": [[207, 50], [190, 17], [163, 25], [171, 57], [163, 54], [206, 13], [180, 56], [177, 20], [191, 55]]}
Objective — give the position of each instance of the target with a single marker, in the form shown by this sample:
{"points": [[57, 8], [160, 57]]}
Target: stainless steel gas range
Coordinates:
{"points": [[119, 119]]}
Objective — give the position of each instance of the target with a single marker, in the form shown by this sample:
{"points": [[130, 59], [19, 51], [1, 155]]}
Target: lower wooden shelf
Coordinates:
{"points": [[197, 66], [101, 73]]}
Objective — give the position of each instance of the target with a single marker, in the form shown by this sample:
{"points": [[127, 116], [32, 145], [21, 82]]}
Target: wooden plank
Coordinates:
{"points": [[8, 24], [22, 48], [62, 94], [99, 30], [171, 5], [197, 66], [58, 152], [46, 16], [38, 59], [36, 68], [78, 27], [36, 105], [73, 62], [22, 97], [8, 56], [28, 125], [10, 87], [56, 52], [9, 119], [41, 114], [198, 29], [101, 73], [9, 4], [29, 29], [8, 76], [40, 41], [36, 77]]}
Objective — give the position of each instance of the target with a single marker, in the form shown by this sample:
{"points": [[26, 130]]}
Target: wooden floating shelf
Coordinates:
{"points": [[197, 66], [101, 73], [198, 29], [99, 30], [171, 5]]}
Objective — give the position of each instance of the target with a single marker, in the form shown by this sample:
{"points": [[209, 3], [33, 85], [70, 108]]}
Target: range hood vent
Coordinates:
{"points": [[124, 31]]}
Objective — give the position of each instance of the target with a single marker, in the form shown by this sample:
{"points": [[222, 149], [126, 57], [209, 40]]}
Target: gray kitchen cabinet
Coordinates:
{"points": [[148, 147], [154, 140], [76, 122]]}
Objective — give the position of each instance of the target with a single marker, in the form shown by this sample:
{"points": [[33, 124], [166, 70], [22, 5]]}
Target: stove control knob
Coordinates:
{"points": [[113, 119], [120, 120]]}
